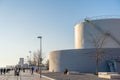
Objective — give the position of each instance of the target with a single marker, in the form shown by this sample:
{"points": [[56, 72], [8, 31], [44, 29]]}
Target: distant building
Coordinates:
{"points": [[21, 62], [102, 34]]}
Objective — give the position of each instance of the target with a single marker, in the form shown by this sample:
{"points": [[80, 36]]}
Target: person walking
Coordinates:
{"points": [[1, 70], [4, 70], [32, 69]]}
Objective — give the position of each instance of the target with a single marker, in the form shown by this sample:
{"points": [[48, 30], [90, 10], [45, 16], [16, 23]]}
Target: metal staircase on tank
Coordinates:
{"points": [[102, 31]]}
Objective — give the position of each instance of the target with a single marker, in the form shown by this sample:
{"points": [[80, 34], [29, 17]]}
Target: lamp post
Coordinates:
{"points": [[40, 55]]}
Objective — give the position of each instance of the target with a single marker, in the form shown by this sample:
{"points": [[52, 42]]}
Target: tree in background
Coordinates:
{"points": [[35, 58], [98, 43], [47, 64]]}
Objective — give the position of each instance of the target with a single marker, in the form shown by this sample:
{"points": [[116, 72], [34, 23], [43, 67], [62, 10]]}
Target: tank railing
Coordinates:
{"points": [[100, 17], [104, 17]]}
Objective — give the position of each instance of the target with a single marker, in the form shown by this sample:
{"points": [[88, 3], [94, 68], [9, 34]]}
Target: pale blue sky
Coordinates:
{"points": [[21, 21]]}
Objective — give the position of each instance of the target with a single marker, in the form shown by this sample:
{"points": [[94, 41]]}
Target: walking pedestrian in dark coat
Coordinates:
{"points": [[1, 70], [4, 70]]}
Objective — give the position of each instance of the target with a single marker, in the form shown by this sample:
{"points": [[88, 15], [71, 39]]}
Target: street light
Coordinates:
{"points": [[40, 55]]}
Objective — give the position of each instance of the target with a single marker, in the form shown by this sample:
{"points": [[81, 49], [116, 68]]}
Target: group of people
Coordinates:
{"points": [[4, 70], [16, 70]]}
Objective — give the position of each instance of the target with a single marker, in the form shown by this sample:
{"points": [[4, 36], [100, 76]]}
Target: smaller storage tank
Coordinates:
{"points": [[87, 32]]}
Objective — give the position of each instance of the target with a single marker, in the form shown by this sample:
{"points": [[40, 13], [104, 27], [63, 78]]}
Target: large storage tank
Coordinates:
{"points": [[86, 33], [83, 60], [103, 35]]}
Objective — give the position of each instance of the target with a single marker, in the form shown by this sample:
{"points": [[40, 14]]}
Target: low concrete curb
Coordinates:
{"points": [[48, 77], [45, 77]]}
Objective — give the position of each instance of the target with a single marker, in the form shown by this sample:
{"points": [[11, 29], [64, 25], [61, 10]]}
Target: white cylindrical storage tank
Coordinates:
{"points": [[79, 35], [86, 33]]}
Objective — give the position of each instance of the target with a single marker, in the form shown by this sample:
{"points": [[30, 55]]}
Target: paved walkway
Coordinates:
{"points": [[49, 76], [22, 76]]}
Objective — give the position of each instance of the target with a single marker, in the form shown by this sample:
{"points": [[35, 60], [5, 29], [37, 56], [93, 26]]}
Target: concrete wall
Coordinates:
{"points": [[82, 60], [87, 32]]}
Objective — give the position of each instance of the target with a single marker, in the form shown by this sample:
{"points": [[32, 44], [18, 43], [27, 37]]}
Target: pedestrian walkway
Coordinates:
{"points": [[49, 76], [23, 76]]}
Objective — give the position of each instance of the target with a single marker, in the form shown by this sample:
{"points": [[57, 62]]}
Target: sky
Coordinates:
{"points": [[22, 21]]}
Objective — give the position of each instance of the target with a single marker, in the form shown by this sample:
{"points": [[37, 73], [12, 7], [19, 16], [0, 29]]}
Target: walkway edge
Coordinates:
{"points": [[48, 77], [45, 77]]}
